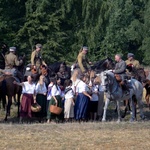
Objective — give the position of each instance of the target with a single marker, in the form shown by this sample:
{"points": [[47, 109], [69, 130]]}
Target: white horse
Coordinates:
{"points": [[114, 92]]}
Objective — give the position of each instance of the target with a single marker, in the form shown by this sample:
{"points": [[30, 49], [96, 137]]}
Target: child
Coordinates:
{"points": [[69, 101]]}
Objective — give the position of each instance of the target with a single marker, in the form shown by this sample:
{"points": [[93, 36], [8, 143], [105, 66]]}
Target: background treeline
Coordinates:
{"points": [[107, 27]]}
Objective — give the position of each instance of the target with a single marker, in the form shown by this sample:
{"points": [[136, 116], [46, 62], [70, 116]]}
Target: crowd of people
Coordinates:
{"points": [[81, 97]]}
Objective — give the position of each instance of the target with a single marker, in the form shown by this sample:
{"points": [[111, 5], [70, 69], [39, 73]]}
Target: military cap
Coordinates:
{"points": [[38, 45], [130, 55], [85, 48], [12, 49]]}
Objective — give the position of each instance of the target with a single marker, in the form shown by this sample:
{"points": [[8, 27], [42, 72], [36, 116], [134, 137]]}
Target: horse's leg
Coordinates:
{"points": [[4, 101], [126, 104], [105, 109], [147, 100], [140, 104], [8, 107], [19, 95], [133, 110], [118, 110]]}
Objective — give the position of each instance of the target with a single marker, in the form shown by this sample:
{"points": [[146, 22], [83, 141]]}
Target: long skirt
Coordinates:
{"points": [[53, 116], [69, 108], [81, 107], [25, 108], [41, 100]]}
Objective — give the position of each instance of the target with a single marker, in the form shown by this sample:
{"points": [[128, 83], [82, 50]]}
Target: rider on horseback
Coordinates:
{"points": [[36, 58], [11, 62], [82, 59], [131, 61], [120, 72]]}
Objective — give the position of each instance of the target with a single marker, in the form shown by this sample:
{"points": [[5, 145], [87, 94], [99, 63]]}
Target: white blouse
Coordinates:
{"points": [[75, 84], [70, 93], [28, 88], [56, 91], [40, 89], [81, 87]]}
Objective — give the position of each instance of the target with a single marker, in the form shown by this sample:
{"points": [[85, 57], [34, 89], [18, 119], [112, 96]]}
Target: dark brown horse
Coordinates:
{"points": [[10, 91]]}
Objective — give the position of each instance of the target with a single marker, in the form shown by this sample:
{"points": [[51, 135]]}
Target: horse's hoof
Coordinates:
{"points": [[118, 121], [103, 120]]}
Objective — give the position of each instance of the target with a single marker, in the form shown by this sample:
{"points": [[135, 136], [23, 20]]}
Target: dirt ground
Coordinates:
{"points": [[76, 136]]}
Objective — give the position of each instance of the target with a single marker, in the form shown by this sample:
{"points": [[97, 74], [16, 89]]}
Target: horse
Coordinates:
{"points": [[102, 65], [146, 85], [115, 93], [137, 73], [10, 90], [60, 69]]}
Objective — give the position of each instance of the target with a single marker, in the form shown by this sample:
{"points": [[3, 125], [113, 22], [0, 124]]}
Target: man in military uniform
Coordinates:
{"points": [[120, 69], [11, 62], [36, 58], [82, 59], [131, 61]]}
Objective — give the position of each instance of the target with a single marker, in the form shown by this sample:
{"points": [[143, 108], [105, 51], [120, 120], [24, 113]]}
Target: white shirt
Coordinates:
{"points": [[28, 88], [56, 91], [70, 93], [40, 89], [74, 85], [81, 87], [49, 94], [95, 88]]}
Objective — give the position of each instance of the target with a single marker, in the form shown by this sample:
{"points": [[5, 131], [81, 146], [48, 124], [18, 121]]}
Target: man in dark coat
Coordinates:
{"points": [[120, 69]]}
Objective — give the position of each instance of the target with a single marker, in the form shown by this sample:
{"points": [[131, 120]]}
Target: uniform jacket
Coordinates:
{"points": [[82, 61], [134, 62], [11, 61], [120, 67], [36, 59]]}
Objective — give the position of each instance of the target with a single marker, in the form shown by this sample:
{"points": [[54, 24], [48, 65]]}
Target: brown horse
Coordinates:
{"points": [[147, 88], [10, 90]]}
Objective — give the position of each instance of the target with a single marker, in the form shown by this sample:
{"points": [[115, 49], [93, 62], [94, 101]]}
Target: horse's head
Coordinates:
{"points": [[107, 80]]}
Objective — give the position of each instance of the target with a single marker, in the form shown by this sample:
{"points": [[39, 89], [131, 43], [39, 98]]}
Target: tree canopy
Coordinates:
{"points": [[63, 26]]}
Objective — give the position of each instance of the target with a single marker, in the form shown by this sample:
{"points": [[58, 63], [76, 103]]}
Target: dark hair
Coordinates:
{"points": [[67, 82]]}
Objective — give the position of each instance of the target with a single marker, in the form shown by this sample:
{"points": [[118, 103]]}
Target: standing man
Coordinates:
{"points": [[120, 69], [82, 59], [131, 61], [11, 62], [36, 57]]}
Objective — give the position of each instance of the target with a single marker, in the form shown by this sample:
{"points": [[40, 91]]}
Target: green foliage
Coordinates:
{"points": [[64, 26]]}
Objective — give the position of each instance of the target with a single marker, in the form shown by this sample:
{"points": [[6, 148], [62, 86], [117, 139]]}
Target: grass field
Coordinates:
{"points": [[76, 136]]}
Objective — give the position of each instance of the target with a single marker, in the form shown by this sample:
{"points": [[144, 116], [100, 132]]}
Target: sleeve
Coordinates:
{"points": [[83, 88], [80, 63], [137, 64], [122, 68], [17, 62], [36, 88], [32, 57], [45, 89], [54, 90]]}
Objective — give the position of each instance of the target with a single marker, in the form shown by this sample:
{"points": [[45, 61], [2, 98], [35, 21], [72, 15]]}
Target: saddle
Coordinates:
{"points": [[123, 84]]}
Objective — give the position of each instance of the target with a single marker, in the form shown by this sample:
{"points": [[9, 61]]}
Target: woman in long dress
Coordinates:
{"points": [[55, 100], [28, 97], [41, 97], [82, 100]]}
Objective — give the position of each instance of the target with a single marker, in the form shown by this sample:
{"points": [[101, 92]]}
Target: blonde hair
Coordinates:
{"points": [[97, 80]]}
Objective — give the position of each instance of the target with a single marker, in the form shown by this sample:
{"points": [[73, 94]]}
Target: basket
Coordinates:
{"points": [[55, 110], [35, 107]]}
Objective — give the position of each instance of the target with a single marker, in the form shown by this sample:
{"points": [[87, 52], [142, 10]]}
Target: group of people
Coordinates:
{"points": [[81, 97]]}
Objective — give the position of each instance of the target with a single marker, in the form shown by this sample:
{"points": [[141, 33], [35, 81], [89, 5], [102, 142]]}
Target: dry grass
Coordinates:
{"points": [[75, 136]]}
